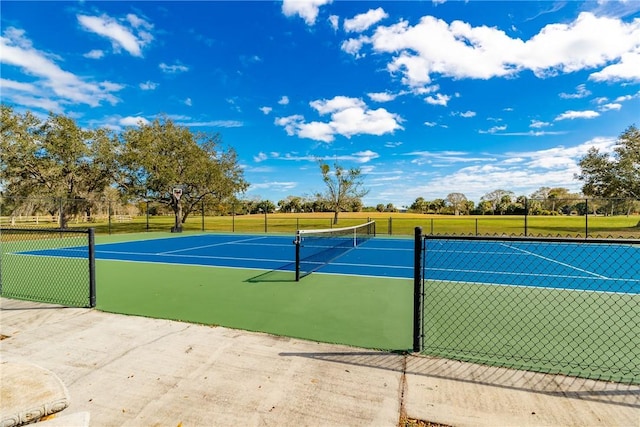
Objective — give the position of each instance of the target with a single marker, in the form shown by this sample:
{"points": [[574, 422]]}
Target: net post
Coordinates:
{"points": [[92, 268], [297, 243], [417, 290]]}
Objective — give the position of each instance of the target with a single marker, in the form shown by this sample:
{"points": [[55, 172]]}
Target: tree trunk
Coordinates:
{"points": [[335, 216], [177, 210]]}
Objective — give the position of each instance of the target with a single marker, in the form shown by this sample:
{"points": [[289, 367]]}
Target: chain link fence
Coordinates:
{"points": [[560, 306], [48, 265], [589, 218]]}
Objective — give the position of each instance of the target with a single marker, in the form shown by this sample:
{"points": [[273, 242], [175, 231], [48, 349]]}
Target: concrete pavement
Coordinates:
{"points": [[134, 371]]}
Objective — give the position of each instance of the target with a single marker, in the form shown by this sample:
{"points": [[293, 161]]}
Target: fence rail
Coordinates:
{"points": [[589, 218], [565, 306], [48, 265]]}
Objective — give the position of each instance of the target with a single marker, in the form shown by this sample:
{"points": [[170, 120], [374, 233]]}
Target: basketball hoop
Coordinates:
{"points": [[177, 193]]}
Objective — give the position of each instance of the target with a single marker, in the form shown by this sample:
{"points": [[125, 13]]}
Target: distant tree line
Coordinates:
{"points": [[544, 201]]}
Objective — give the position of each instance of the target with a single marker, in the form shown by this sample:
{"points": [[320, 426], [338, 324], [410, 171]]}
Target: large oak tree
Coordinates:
{"points": [[53, 164], [161, 156]]}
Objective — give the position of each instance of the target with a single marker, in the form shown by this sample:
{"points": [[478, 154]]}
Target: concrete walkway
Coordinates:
{"points": [[134, 371]]}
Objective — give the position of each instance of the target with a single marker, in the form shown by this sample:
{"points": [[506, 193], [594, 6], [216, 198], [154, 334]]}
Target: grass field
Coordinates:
{"points": [[397, 224]]}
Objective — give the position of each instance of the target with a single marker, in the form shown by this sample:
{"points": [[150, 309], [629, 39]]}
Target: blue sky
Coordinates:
{"points": [[427, 98]]}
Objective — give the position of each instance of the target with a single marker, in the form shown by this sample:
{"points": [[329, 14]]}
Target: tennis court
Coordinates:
{"points": [[541, 264], [565, 307]]}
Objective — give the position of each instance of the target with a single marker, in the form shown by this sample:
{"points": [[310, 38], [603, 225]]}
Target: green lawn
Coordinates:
{"points": [[397, 224]]}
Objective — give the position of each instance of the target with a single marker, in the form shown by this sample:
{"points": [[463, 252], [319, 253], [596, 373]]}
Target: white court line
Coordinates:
{"points": [[507, 273], [211, 246], [556, 261]]}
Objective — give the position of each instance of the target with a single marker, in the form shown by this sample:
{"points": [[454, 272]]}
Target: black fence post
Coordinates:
{"points": [[297, 243], [202, 207], [109, 215], [147, 215], [526, 215], [92, 269], [417, 290], [586, 218]]}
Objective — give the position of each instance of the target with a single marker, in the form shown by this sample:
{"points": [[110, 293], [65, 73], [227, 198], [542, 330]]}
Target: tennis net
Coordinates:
{"points": [[316, 248]]}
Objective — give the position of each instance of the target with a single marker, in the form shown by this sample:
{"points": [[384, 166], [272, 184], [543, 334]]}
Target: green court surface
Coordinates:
{"points": [[587, 334], [359, 311], [575, 332]]}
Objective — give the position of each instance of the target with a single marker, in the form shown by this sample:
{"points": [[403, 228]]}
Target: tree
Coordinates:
{"points": [[55, 159], [458, 202], [160, 156], [616, 174], [496, 199], [343, 187], [420, 205], [266, 206], [437, 205]]}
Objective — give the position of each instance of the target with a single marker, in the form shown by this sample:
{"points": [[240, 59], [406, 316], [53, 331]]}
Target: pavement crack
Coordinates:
{"points": [[403, 389]]}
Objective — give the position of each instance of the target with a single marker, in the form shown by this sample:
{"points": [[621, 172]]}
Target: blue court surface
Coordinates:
{"points": [[580, 266]]}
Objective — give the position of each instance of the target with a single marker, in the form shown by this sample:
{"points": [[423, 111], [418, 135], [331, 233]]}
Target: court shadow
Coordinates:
{"points": [[286, 273], [417, 365]]}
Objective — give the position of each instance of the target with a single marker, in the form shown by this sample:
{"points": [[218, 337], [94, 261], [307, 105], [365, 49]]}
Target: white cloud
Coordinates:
{"points": [[284, 100], [173, 69], [537, 124], [94, 54], [306, 9], [132, 37], [626, 97], [274, 186], [260, 157], [391, 144], [625, 70], [51, 83], [581, 92], [338, 103], [349, 116], [188, 102], [466, 114], [570, 114], [266, 110], [439, 99], [133, 121], [382, 96], [148, 85], [353, 46], [334, 20], [494, 129], [429, 157], [213, 124], [611, 106], [521, 172], [12, 84], [430, 124], [363, 21], [459, 50]]}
